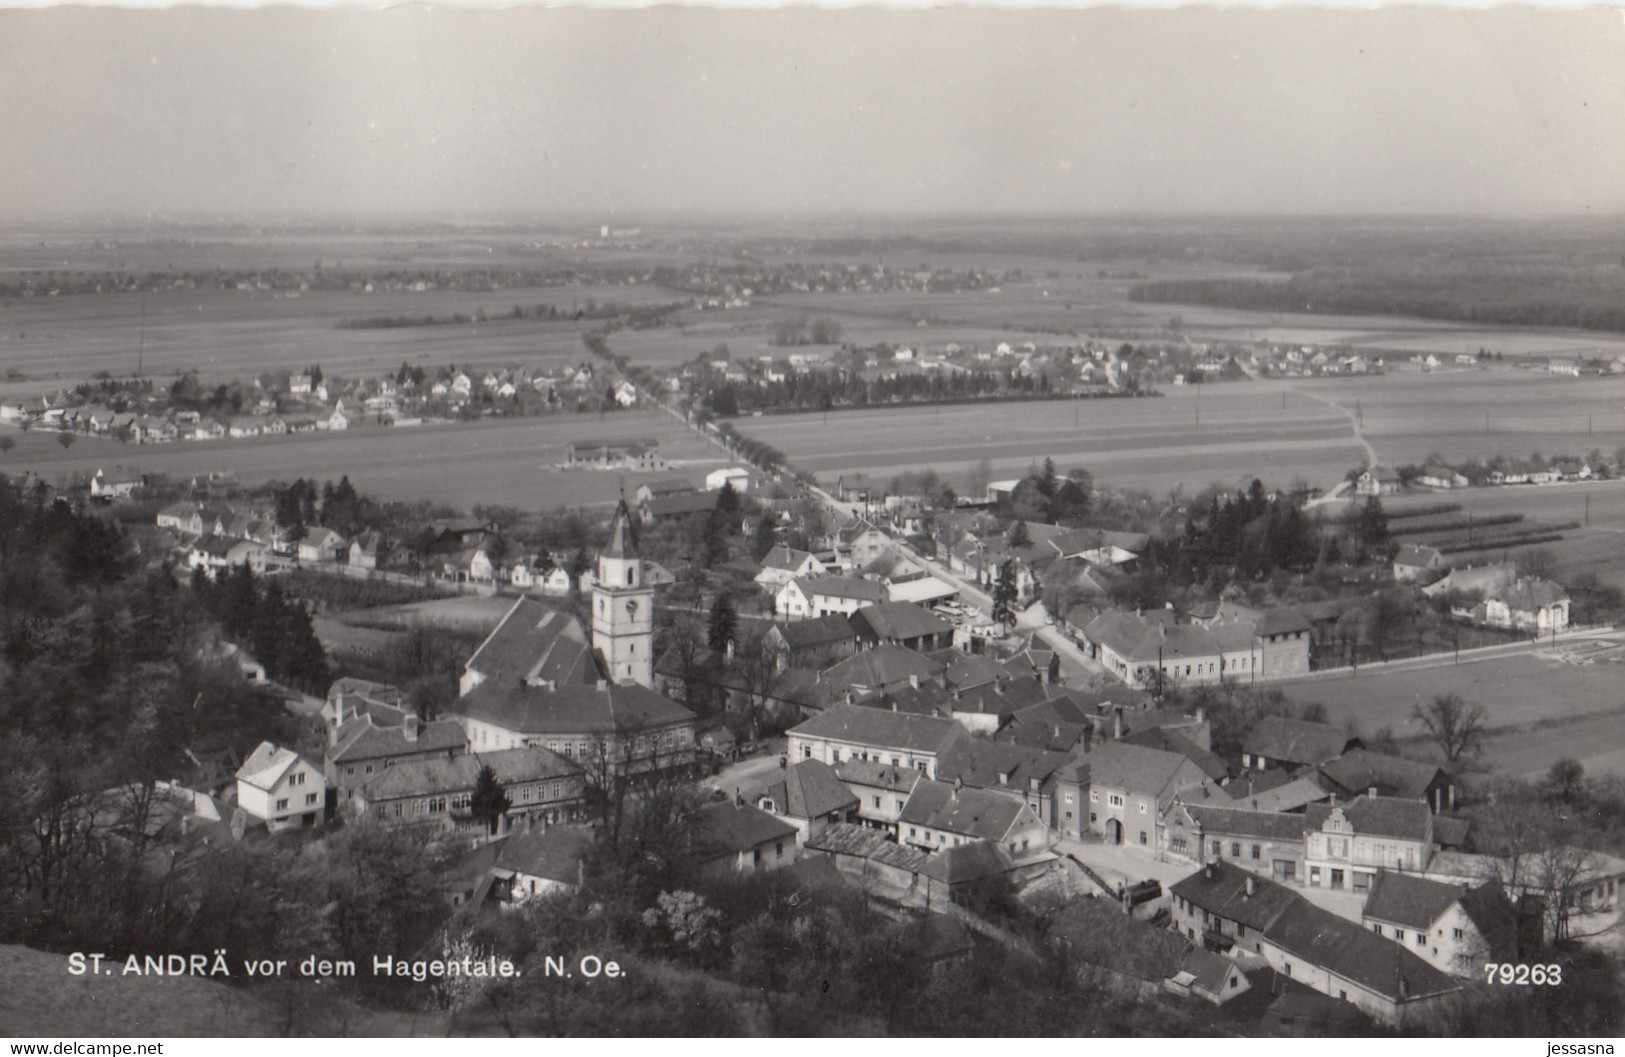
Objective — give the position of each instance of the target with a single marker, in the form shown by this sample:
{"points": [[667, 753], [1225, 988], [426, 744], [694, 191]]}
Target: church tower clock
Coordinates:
{"points": [[623, 607]]}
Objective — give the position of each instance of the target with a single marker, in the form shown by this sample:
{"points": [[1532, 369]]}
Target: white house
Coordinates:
{"points": [[819, 596], [783, 564], [737, 476], [320, 545], [1530, 604], [281, 788]]}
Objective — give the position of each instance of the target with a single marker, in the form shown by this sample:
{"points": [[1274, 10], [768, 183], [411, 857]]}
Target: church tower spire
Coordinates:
{"points": [[623, 606]]}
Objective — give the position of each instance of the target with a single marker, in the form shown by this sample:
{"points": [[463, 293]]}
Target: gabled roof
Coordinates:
{"points": [[680, 503], [728, 828], [571, 709], [809, 789], [845, 838], [1238, 822], [967, 863], [882, 729], [1221, 888], [1002, 698], [1416, 556], [1080, 541], [1489, 909], [899, 620], [1152, 640], [1139, 770], [817, 632], [964, 812], [884, 666], [1211, 763], [998, 765], [786, 558], [1526, 596], [1358, 771], [361, 739], [537, 643], [878, 775], [968, 669], [1296, 741], [867, 591], [555, 853], [1382, 816], [1264, 793], [1056, 725], [437, 775], [1409, 900], [266, 765], [1355, 953]]}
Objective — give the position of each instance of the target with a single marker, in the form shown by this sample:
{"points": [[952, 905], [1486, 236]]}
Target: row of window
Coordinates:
{"points": [[310, 801]]}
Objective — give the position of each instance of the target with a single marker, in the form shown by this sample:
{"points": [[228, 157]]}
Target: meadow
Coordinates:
{"points": [[511, 462], [1538, 709]]}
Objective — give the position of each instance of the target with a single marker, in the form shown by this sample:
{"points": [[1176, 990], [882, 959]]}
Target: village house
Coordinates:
{"points": [[1152, 651], [1454, 928], [1347, 843], [737, 476], [1378, 481], [1006, 769], [871, 857], [369, 550], [853, 732], [1128, 790], [1434, 475], [1226, 907], [120, 482], [735, 836], [810, 796], [541, 786], [213, 553], [901, 624], [533, 864], [370, 739], [320, 545], [817, 642], [881, 670], [656, 487], [1374, 774], [1531, 605], [1261, 842], [1414, 561], [783, 564], [1276, 741], [947, 814], [637, 455], [858, 543], [820, 596], [281, 788], [881, 789], [676, 507]]}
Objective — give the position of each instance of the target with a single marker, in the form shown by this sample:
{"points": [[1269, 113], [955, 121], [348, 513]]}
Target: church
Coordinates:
{"points": [[539, 679]]}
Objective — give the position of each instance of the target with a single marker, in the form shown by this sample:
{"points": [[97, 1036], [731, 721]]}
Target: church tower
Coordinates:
{"points": [[623, 607]]}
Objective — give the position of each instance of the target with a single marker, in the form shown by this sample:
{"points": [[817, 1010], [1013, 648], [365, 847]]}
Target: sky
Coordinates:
{"points": [[460, 114]]}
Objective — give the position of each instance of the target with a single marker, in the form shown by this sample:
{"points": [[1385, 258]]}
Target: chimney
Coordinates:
{"points": [[1207, 871], [956, 693], [1372, 792], [914, 680], [410, 728], [728, 653], [1252, 885], [1201, 713], [1117, 723], [739, 798], [959, 783], [603, 684]]}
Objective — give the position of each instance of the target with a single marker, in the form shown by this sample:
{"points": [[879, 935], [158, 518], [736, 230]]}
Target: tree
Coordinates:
{"points": [[1537, 561], [65, 439], [763, 537], [1004, 594], [6, 444], [1371, 527], [724, 624], [1565, 780], [489, 802], [1047, 481], [1455, 726]]}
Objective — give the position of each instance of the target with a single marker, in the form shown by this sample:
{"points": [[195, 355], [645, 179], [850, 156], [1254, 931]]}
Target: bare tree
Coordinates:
{"points": [[757, 662], [6, 444], [1537, 561], [1454, 725]]}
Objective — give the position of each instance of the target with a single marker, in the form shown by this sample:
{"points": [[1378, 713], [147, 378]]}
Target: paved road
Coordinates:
{"points": [[747, 775]]}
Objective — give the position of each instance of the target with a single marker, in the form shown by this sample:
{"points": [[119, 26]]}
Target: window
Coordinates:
{"points": [[1114, 800], [1093, 817], [1218, 847], [1235, 849], [1377, 929], [911, 831], [310, 798], [282, 805], [349, 772], [877, 802], [1399, 934], [899, 804], [1094, 796], [1142, 807], [1069, 798], [1314, 875], [1337, 878], [1258, 851], [1455, 934], [778, 849], [369, 768], [1422, 939], [756, 856], [1142, 836]]}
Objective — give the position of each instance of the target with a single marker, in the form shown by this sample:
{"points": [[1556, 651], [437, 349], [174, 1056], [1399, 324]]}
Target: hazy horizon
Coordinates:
{"points": [[460, 117]]}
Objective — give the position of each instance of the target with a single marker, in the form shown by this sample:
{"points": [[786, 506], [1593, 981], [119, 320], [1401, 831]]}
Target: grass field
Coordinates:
{"points": [[1238, 431], [1539, 708], [506, 461]]}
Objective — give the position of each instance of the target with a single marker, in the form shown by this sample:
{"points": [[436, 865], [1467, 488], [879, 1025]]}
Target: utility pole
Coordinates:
{"points": [[1588, 510], [141, 350]]}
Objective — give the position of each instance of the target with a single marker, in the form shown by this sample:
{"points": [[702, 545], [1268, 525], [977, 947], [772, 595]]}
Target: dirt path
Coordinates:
{"points": [[1354, 423]]}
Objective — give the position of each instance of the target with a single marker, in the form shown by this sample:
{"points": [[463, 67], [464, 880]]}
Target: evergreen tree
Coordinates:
{"points": [[1371, 528], [724, 624], [1004, 594], [1047, 481], [764, 538], [728, 498], [489, 803]]}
